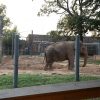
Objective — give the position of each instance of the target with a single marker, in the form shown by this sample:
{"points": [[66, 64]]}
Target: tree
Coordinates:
{"points": [[65, 25], [8, 33], [8, 40], [6, 20], [56, 35], [81, 15]]}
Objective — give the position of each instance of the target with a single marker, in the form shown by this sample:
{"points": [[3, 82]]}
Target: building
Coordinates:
{"points": [[38, 43]]}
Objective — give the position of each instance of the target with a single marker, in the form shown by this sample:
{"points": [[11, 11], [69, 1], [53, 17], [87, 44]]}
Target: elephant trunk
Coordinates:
{"points": [[85, 59]]}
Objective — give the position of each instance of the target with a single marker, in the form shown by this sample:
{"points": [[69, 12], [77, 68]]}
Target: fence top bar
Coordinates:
{"points": [[35, 90], [93, 43]]}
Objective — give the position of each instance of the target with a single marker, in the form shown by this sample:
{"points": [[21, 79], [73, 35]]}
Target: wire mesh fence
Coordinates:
{"points": [[31, 48], [31, 59], [37, 45]]}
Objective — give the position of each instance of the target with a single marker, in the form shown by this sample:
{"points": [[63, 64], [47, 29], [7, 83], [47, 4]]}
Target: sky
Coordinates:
{"points": [[23, 14]]}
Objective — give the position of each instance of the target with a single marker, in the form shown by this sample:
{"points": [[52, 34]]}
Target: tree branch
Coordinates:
{"points": [[74, 6], [80, 5], [66, 9], [68, 6], [56, 11]]}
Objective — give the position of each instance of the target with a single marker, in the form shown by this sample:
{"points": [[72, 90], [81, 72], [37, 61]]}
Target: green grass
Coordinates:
{"points": [[94, 62], [26, 80], [97, 62]]}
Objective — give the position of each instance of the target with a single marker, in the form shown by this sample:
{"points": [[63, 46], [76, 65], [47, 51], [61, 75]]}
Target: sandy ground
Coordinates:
{"points": [[35, 65]]}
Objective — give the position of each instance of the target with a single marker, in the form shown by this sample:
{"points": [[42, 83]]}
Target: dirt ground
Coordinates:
{"points": [[35, 65]]}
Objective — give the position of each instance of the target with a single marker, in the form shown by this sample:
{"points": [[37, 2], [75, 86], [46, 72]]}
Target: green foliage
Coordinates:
{"points": [[69, 24], [49, 7], [26, 80], [6, 20], [8, 38], [55, 35], [97, 62], [79, 16], [8, 33]]}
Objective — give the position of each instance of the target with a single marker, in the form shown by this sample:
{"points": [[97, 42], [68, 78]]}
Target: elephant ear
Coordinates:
{"points": [[56, 53], [55, 56]]}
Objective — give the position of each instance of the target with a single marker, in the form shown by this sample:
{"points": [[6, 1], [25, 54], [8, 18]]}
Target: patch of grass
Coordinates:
{"points": [[97, 62], [43, 79], [6, 81], [26, 80]]}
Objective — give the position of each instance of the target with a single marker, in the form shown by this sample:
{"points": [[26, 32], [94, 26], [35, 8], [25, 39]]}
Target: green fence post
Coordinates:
{"points": [[77, 57], [16, 55]]}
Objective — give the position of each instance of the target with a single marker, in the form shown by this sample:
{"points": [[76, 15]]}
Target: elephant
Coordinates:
{"points": [[61, 51]]}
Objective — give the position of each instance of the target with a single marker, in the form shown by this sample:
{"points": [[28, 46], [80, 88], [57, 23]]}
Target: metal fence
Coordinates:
{"points": [[80, 91], [36, 44], [93, 48], [31, 47]]}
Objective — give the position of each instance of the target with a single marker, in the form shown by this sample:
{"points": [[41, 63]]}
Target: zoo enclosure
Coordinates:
{"points": [[39, 46], [77, 92], [86, 93]]}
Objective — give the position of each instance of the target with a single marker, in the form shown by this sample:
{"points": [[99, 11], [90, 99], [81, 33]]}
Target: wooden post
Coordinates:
{"points": [[16, 55], [77, 57]]}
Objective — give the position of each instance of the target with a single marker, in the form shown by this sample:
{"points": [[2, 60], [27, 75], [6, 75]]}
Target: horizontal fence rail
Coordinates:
{"points": [[62, 91]]}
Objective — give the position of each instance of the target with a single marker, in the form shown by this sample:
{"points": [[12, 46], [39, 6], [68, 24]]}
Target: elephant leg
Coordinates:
{"points": [[85, 59], [84, 53], [71, 63], [50, 66], [46, 67]]}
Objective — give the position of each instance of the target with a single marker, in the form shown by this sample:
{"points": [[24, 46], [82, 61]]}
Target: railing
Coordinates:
{"points": [[65, 91]]}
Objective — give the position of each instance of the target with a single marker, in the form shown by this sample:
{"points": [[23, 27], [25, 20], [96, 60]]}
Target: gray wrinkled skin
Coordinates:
{"points": [[61, 51]]}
